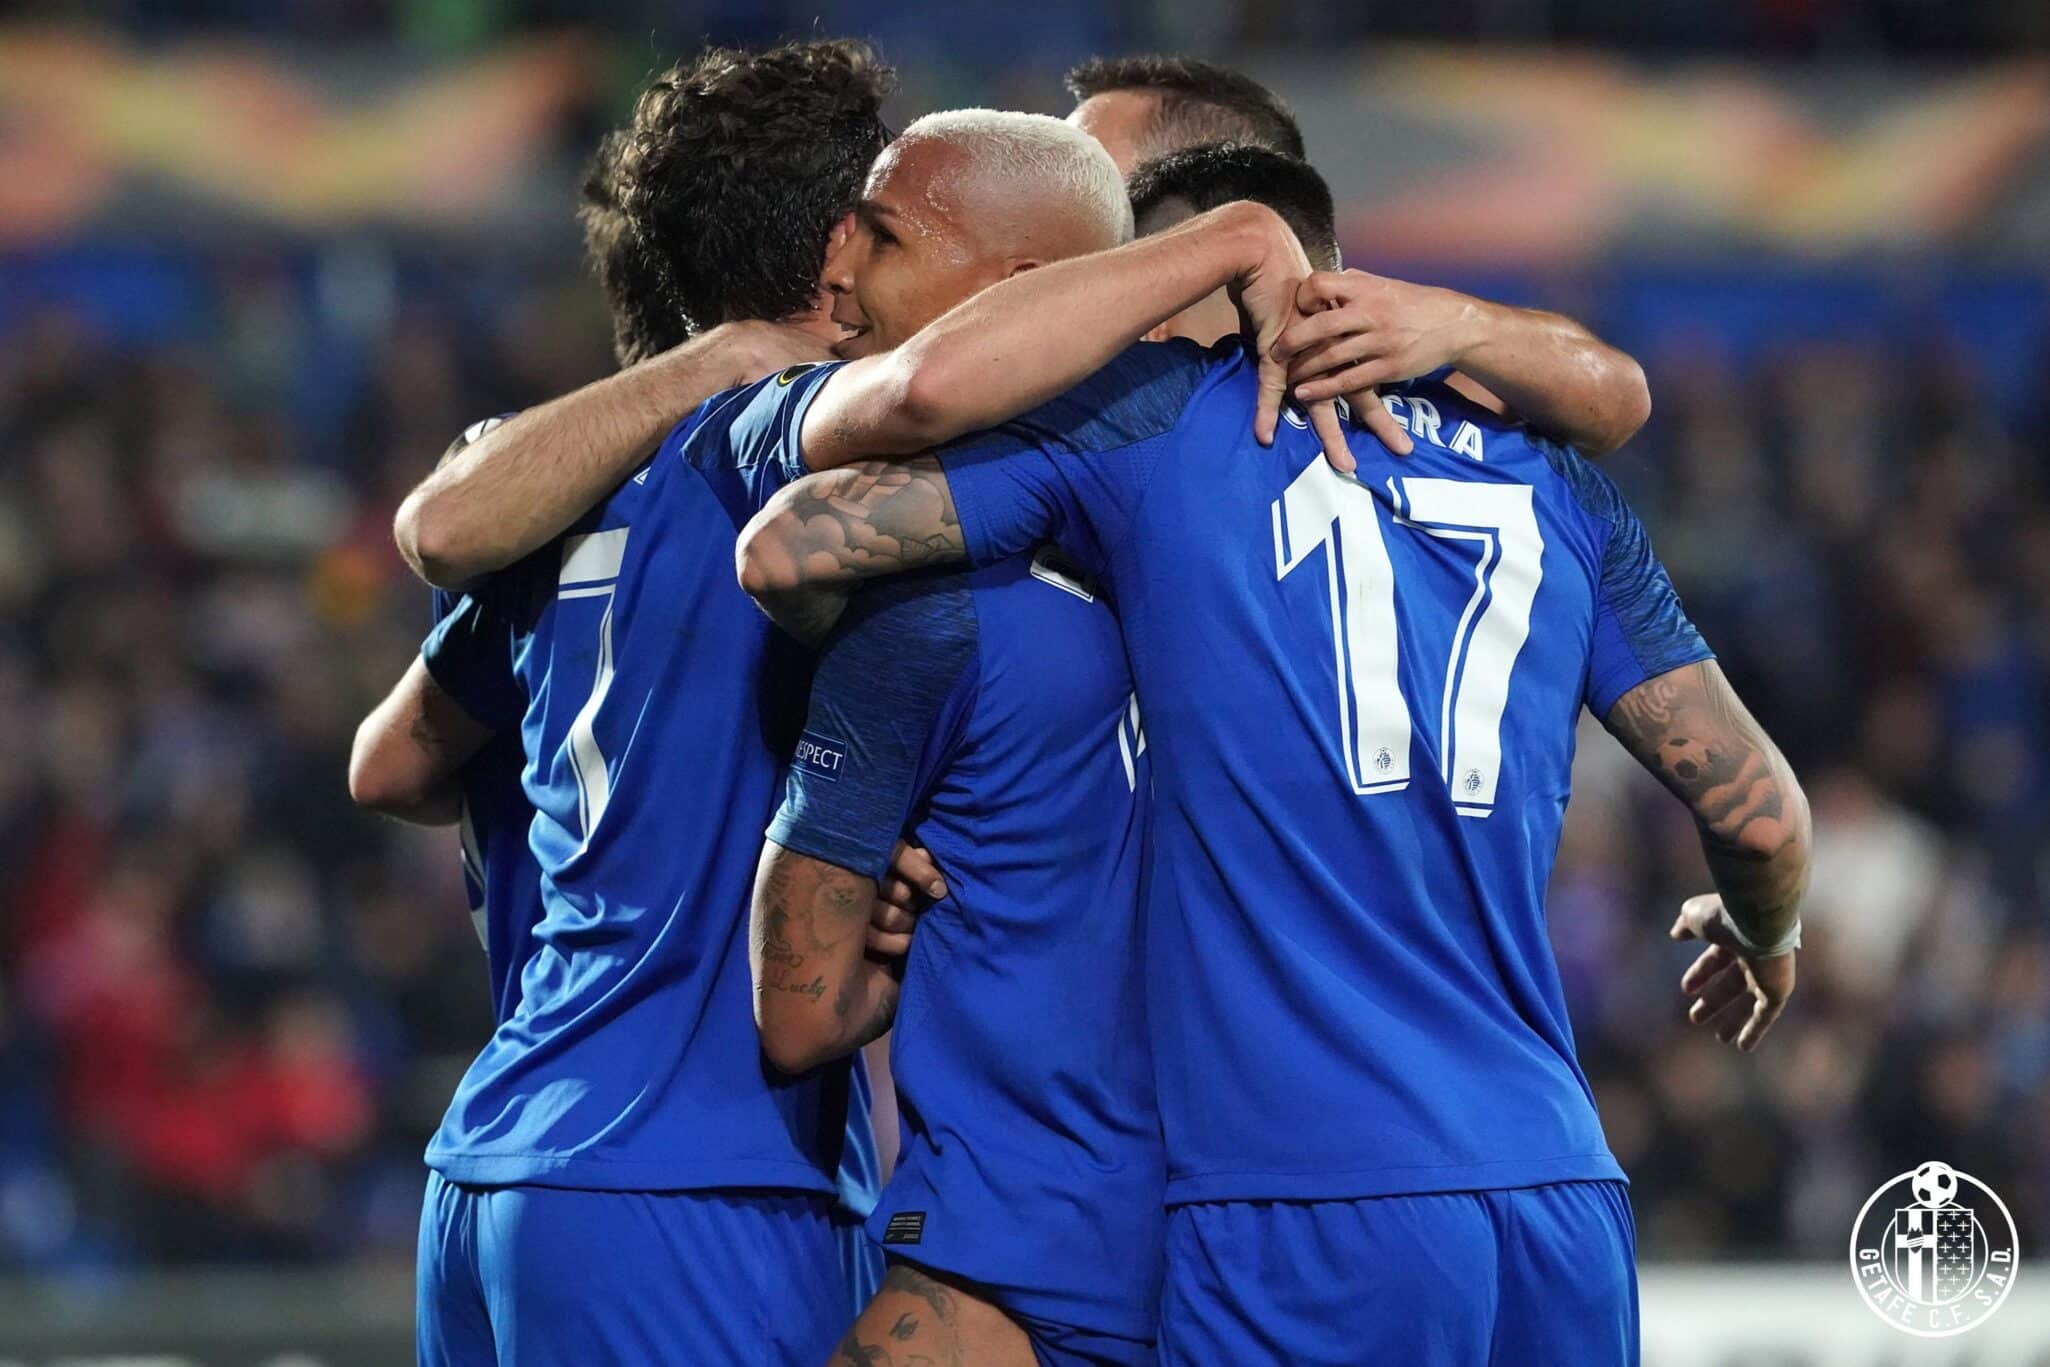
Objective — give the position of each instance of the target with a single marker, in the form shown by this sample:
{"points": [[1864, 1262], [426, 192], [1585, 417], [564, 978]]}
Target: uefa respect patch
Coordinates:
{"points": [[821, 756]]}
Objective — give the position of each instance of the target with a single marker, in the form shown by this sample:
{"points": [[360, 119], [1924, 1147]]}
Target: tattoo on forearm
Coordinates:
{"points": [[872, 519], [1690, 730], [810, 935]]}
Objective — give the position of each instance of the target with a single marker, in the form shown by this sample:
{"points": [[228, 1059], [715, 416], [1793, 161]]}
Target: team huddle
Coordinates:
{"points": [[1180, 796]]}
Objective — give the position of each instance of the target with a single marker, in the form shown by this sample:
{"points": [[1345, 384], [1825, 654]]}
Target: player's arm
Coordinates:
{"points": [[1689, 728], [1545, 369], [1038, 334], [887, 699], [821, 992], [817, 538], [523, 482], [408, 751]]}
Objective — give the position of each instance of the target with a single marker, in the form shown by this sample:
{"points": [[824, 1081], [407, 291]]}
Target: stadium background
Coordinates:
{"points": [[259, 261]]}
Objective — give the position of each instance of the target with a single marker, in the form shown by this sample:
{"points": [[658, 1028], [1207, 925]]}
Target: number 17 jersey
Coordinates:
{"points": [[1361, 692]]}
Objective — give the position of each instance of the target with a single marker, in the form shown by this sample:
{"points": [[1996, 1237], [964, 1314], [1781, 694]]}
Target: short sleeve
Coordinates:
{"points": [[763, 438], [889, 697], [1074, 469], [1640, 629], [470, 655]]}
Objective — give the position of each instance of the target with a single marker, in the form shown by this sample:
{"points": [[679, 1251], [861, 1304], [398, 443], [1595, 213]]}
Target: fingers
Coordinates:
{"points": [[1331, 433], [893, 918], [1711, 962], [1719, 991], [1368, 409], [1348, 379], [1700, 919], [1762, 1018], [888, 944], [1321, 290], [915, 866], [1732, 1019], [1319, 327], [1273, 393]]}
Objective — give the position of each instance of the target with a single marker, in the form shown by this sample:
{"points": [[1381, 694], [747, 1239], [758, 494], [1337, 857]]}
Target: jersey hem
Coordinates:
{"points": [[592, 1174], [1605, 693], [1326, 1185], [1046, 1307]]}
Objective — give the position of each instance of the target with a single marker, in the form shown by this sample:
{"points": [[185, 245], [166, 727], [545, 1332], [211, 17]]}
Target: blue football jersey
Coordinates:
{"points": [[1361, 692], [468, 660], [500, 878], [993, 713], [656, 705]]}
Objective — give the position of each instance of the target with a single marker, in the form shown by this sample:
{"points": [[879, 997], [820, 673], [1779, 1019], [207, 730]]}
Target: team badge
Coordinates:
{"points": [[1934, 1252]]}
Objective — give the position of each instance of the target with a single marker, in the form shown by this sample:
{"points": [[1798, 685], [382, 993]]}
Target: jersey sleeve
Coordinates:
{"points": [[1074, 469], [470, 656], [1640, 629], [891, 692], [762, 440]]}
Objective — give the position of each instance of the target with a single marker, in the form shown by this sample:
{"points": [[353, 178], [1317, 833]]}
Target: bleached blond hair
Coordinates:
{"points": [[1039, 154]]}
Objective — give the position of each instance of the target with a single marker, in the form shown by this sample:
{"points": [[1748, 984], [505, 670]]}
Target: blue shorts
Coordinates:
{"points": [[1538, 1276], [541, 1277], [1064, 1345], [861, 1262]]}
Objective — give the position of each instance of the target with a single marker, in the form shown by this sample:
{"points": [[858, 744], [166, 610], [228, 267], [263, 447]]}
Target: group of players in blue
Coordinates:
{"points": [[1181, 798]]}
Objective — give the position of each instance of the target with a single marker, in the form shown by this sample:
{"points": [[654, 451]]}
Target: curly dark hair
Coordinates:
{"points": [[644, 322], [1205, 177], [1200, 102], [730, 178]]}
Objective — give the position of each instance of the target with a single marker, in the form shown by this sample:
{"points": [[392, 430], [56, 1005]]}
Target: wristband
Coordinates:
{"points": [[1786, 944]]}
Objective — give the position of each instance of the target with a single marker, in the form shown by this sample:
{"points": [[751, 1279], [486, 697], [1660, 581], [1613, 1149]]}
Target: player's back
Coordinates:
{"points": [[658, 705], [1361, 692]]}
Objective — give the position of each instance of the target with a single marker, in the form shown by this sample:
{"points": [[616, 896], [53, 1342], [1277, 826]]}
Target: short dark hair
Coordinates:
{"points": [[1206, 177], [732, 174], [1200, 102], [644, 322]]}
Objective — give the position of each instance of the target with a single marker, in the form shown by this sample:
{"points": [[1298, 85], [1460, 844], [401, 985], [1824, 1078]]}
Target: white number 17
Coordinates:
{"points": [[1327, 509]]}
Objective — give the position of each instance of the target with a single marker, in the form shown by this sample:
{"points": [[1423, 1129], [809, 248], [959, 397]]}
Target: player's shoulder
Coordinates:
{"points": [[750, 422], [1143, 392]]}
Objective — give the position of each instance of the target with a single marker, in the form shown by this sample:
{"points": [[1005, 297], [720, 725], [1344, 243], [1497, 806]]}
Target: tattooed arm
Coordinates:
{"points": [[1691, 731], [820, 992], [818, 537], [407, 751]]}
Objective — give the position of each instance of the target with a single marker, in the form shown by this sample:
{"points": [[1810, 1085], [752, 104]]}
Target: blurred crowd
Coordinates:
{"points": [[232, 1007]]}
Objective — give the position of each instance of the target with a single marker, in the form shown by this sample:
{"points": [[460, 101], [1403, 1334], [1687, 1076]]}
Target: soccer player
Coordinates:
{"points": [[993, 711], [1174, 188], [400, 762], [619, 1177], [1360, 692], [1140, 108]]}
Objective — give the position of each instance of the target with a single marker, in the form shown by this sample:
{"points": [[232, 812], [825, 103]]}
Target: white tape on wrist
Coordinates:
{"points": [[1786, 944]]}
